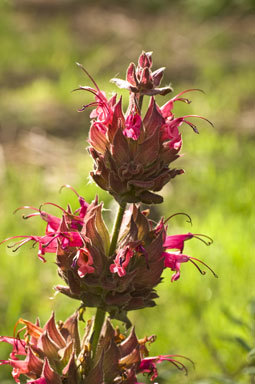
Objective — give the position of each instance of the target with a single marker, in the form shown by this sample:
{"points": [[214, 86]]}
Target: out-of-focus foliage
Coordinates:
{"points": [[206, 44]]}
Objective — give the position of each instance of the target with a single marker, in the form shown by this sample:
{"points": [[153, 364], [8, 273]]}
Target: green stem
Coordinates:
{"points": [[100, 313], [140, 103], [116, 228], [99, 321]]}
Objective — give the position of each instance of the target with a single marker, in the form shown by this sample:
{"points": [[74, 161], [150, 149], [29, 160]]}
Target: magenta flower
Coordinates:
{"points": [[62, 232], [177, 241], [133, 126], [173, 260], [84, 261], [148, 364], [121, 261]]}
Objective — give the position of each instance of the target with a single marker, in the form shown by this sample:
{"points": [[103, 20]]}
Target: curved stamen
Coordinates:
{"points": [[184, 100], [54, 237], [179, 213], [179, 366], [19, 244], [187, 90], [200, 117], [14, 237], [199, 235], [69, 187], [25, 207], [93, 104], [98, 95], [19, 331], [192, 126], [55, 205], [200, 270], [207, 266], [31, 215], [184, 357], [89, 89], [89, 76]]}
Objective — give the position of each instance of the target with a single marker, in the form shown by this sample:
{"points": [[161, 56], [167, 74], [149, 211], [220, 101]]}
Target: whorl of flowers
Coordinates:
{"points": [[55, 354], [132, 153], [119, 282]]}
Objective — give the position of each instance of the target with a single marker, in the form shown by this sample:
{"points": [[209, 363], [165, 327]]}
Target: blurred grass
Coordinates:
{"points": [[205, 44]]}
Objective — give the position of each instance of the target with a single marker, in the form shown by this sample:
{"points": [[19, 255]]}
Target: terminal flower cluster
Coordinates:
{"points": [[132, 154]]}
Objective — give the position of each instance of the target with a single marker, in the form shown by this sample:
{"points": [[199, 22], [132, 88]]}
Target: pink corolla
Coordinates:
{"points": [[133, 126], [174, 259], [121, 261], [60, 232], [84, 261], [149, 364]]}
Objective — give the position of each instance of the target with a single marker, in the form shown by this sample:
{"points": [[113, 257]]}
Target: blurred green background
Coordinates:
{"points": [[207, 44]]}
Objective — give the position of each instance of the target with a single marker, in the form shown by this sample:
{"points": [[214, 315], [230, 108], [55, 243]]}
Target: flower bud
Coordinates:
{"points": [[141, 79]]}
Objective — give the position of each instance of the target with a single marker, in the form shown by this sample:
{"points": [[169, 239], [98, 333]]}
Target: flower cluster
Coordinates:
{"points": [[119, 282], [131, 153], [55, 354]]}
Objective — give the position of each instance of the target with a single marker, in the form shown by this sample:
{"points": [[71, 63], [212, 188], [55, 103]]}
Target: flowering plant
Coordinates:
{"points": [[115, 273]]}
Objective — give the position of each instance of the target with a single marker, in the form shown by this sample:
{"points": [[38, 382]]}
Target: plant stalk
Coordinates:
{"points": [[140, 103], [116, 228], [100, 313], [99, 321]]}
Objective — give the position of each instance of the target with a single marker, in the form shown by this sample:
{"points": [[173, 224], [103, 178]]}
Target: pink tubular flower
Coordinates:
{"points": [[177, 241], [148, 364], [133, 126], [84, 262], [18, 346], [121, 261], [63, 232], [173, 260]]}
